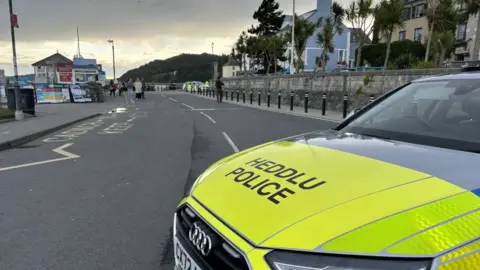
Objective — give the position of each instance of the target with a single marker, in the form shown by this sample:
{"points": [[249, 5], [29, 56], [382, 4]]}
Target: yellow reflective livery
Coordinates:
{"points": [[310, 202]]}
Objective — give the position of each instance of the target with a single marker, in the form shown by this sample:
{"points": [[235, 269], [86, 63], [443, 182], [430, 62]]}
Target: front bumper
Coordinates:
{"points": [[228, 241]]}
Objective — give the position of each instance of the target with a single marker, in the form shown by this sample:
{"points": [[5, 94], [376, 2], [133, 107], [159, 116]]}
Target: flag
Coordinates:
{"points": [[14, 20]]}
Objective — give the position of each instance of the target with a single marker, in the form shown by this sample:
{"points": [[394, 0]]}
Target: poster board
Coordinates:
{"points": [[80, 93], [52, 93]]}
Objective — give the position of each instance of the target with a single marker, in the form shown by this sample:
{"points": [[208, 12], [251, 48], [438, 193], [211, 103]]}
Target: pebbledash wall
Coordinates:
{"points": [[358, 85]]}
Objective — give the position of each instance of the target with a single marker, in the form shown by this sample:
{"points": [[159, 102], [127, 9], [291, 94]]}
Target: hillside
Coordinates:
{"points": [[180, 68]]}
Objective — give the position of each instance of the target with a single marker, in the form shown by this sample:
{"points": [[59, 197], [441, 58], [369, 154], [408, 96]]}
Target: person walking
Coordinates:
{"points": [[129, 94], [112, 88], [219, 84], [144, 88], [138, 89]]}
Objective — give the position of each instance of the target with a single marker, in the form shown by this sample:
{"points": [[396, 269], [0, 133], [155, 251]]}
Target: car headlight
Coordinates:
{"points": [[283, 260]]}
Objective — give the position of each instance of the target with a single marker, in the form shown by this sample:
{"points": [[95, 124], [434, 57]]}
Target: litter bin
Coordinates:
{"points": [[27, 100]]}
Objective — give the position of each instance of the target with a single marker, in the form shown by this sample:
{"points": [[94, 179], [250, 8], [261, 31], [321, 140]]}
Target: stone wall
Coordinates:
{"points": [[359, 86]]}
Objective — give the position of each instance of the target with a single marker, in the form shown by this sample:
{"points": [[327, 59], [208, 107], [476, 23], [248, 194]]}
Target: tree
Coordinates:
{"points": [[303, 30], [441, 16], [359, 14], [241, 47], [389, 18], [273, 46], [444, 43], [253, 48], [330, 27], [270, 19]]}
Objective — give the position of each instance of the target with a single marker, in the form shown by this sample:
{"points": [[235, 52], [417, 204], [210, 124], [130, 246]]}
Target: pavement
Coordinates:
{"points": [[331, 116], [101, 194], [50, 118]]}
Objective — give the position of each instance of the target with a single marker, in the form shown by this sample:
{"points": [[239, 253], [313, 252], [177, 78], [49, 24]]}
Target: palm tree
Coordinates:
{"points": [[445, 42], [389, 18], [441, 16], [303, 30], [330, 27], [359, 15]]}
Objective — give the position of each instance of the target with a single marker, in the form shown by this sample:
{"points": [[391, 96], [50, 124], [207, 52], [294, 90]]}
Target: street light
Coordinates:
{"points": [[18, 113], [113, 54], [212, 47], [293, 39]]}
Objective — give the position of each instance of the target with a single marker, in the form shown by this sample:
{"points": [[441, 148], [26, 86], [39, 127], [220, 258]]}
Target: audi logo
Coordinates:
{"points": [[200, 239]]}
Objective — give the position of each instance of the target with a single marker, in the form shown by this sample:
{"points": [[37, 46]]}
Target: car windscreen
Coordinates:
{"points": [[442, 113]]}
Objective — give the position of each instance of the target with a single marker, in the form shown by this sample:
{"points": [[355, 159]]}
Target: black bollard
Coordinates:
{"points": [[213, 93], [243, 96], [291, 101], [324, 104], [251, 96], [268, 99], [238, 95], [345, 105], [279, 99], [231, 95], [372, 98], [259, 98], [306, 102]]}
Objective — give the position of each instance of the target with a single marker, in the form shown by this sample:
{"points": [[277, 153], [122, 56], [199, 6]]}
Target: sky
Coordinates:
{"points": [[143, 30]]}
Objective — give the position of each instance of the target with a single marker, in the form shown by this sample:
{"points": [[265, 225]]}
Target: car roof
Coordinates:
{"points": [[460, 76]]}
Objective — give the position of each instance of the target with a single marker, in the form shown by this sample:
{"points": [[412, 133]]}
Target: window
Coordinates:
{"points": [[341, 55], [406, 13], [441, 113], [417, 34], [418, 11], [462, 31], [402, 35]]}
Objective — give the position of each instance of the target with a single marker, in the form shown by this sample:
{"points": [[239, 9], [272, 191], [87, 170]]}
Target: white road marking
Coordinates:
{"points": [[234, 147], [60, 150], [209, 118], [173, 99], [131, 119], [215, 109], [186, 105]]}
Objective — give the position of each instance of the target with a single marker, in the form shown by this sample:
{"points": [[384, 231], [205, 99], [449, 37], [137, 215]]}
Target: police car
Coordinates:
{"points": [[396, 186]]}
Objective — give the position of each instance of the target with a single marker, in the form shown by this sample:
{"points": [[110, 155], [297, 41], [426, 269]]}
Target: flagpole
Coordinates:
{"points": [[18, 112]]}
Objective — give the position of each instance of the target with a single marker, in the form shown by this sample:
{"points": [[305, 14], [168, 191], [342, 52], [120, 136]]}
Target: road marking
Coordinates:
{"points": [[234, 147], [209, 118], [116, 128], [75, 132], [60, 150], [173, 99], [190, 107], [215, 109]]}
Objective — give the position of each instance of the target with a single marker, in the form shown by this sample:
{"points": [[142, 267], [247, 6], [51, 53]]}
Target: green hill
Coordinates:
{"points": [[180, 68]]}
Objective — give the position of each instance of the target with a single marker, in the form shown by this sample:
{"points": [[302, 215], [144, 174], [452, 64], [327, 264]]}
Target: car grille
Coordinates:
{"points": [[219, 257]]}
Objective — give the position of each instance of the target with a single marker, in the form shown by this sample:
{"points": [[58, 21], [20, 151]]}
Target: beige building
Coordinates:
{"points": [[416, 24]]}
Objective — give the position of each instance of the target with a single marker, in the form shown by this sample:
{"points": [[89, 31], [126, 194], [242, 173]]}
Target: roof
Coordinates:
{"points": [[461, 76], [356, 34], [231, 62], [288, 18], [54, 58]]}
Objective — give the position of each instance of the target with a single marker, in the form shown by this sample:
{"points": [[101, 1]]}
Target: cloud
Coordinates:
{"points": [[143, 30]]}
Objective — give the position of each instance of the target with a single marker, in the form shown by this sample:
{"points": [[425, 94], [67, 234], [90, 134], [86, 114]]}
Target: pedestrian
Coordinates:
{"points": [[129, 94], [219, 84], [112, 88], [123, 88], [144, 88], [138, 89]]}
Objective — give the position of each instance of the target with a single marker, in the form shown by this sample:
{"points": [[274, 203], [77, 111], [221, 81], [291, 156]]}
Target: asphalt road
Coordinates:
{"points": [[104, 199]]}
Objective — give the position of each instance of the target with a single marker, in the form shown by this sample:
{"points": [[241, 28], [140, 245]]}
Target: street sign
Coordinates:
{"points": [[14, 20]]}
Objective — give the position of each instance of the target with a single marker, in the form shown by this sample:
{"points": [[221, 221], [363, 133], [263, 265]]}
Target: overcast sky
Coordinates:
{"points": [[143, 30]]}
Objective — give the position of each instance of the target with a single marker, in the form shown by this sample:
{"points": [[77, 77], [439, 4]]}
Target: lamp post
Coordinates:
{"points": [[18, 113], [113, 54], [212, 46], [293, 40]]}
